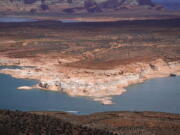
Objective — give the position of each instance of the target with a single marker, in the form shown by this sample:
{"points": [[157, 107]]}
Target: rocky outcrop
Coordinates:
{"points": [[91, 6], [7, 62], [94, 6], [100, 85], [125, 3], [72, 6], [29, 1], [111, 3], [43, 85]]}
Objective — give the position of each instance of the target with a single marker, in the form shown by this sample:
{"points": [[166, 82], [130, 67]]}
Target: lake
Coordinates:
{"points": [[162, 94], [15, 19], [23, 19]]}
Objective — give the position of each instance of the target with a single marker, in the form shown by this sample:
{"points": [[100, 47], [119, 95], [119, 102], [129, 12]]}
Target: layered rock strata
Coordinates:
{"points": [[99, 85]]}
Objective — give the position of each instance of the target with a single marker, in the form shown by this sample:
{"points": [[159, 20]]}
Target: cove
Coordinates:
{"points": [[162, 94]]}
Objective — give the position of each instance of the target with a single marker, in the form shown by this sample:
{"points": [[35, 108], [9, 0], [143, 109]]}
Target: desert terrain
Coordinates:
{"points": [[92, 49], [109, 123], [86, 10], [91, 59]]}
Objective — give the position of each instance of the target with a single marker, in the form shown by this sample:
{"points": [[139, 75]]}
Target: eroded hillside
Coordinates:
{"points": [[73, 6]]}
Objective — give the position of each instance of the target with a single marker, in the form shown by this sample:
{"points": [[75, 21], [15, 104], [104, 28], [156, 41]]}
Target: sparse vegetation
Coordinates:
{"points": [[109, 123], [22, 123]]}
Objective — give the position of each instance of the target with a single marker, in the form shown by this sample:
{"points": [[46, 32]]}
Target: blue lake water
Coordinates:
{"points": [[71, 21], [15, 19], [23, 19], [161, 94], [6, 19]]}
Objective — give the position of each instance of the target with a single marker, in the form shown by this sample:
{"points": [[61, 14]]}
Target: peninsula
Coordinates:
{"points": [[92, 59]]}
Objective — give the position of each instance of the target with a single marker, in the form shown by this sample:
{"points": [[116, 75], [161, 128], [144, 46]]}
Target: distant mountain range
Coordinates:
{"points": [[171, 5], [74, 6]]}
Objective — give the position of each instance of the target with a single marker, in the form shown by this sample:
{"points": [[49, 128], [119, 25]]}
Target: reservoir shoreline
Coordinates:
{"points": [[165, 93], [55, 81], [76, 60]]}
